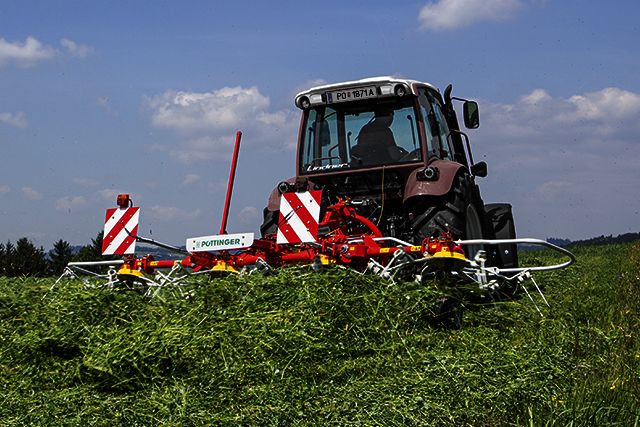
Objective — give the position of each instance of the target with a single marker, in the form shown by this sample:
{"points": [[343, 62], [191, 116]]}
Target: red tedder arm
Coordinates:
{"points": [[232, 177]]}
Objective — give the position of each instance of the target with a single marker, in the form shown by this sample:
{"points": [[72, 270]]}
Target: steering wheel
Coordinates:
{"points": [[408, 156]]}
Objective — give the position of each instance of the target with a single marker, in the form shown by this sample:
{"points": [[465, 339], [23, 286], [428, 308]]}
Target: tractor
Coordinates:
{"points": [[394, 150]]}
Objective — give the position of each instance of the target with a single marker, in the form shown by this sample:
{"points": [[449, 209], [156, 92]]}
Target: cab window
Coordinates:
{"points": [[436, 126], [322, 142], [358, 135]]}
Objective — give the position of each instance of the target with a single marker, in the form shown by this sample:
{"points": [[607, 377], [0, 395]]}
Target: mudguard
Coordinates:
{"points": [[273, 204], [447, 171]]}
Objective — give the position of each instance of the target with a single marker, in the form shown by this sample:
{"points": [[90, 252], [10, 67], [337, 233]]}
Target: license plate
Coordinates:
{"points": [[352, 94]]}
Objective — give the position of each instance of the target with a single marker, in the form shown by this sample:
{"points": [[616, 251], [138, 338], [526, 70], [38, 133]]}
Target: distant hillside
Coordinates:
{"points": [[600, 240], [157, 253], [141, 250]]}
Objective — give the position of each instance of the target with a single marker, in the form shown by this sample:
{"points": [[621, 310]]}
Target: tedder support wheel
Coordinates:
{"points": [[460, 212], [449, 313]]}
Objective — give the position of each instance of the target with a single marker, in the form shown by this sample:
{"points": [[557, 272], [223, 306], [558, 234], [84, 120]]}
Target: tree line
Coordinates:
{"points": [[23, 258], [594, 241]]}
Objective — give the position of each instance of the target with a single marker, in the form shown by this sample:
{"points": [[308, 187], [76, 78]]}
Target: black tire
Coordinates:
{"points": [[449, 313], [270, 222], [501, 219], [460, 212]]}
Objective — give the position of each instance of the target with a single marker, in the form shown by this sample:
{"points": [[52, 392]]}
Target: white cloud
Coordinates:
{"points": [[568, 164], [31, 194], [24, 53], [75, 49], [224, 109], [207, 121], [202, 149], [109, 195], [32, 51], [18, 119], [71, 203], [250, 215], [604, 112], [4, 189], [554, 191], [607, 104], [172, 213], [217, 187], [536, 97], [104, 102], [190, 179], [451, 14]]}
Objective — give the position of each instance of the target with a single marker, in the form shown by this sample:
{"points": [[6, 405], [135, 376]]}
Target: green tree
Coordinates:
{"points": [[59, 256], [7, 259], [92, 251], [29, 260], [3, 259]]}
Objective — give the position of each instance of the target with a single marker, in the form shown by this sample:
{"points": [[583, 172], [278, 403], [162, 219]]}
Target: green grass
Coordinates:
{"points": [[329, 348]]}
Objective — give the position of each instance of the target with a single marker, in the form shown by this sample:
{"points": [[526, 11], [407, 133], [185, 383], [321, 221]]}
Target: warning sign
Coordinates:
{"points": [[299, 217], [120, 231]]}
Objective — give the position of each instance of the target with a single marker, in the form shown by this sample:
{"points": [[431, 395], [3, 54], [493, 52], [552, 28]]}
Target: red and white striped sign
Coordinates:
{"points": [[116, 240], [299, 217]]}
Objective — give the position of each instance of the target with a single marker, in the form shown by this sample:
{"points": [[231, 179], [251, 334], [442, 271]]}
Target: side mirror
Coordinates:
{"points": [[471, 114], [479, 169]]}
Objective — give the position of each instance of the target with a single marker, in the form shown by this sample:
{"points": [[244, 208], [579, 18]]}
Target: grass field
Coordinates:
{"points": [[329, 348]]}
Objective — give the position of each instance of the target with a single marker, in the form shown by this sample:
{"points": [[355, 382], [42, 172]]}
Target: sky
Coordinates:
{"points": [[144, 97]]}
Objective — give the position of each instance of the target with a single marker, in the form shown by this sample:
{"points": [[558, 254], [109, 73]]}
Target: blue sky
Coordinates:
{"points": [[98, 98]]}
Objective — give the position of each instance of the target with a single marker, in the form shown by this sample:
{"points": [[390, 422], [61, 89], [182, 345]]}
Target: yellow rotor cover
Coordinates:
{"points": [[223, 267], [445, 258], [126, 271]]}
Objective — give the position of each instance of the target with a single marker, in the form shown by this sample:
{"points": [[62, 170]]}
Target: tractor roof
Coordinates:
{"points": [[371, 81]]}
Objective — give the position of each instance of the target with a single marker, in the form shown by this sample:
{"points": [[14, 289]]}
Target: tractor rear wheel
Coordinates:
{"points": [[270, 223], [459, 212]]}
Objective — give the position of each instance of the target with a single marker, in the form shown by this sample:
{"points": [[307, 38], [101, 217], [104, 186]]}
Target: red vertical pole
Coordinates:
{"points": [[232, 176]]}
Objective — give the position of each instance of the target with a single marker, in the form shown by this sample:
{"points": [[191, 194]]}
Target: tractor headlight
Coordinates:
{"points": [[386, 90], [315, 99], [303, 102], [285, 187], [401, 90], [430, 173]]}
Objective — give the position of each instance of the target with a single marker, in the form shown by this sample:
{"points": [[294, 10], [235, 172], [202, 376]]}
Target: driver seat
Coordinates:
{"points": [[376, 145]]}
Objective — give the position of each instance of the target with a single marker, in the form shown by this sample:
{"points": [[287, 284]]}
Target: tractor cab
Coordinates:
{"points": [[374, 123]]}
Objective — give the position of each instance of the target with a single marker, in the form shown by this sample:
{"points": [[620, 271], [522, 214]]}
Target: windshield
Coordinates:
{"points": [[348, 136]]}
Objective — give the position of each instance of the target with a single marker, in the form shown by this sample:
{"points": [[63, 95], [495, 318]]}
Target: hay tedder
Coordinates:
{"points": [[385, 185]]}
